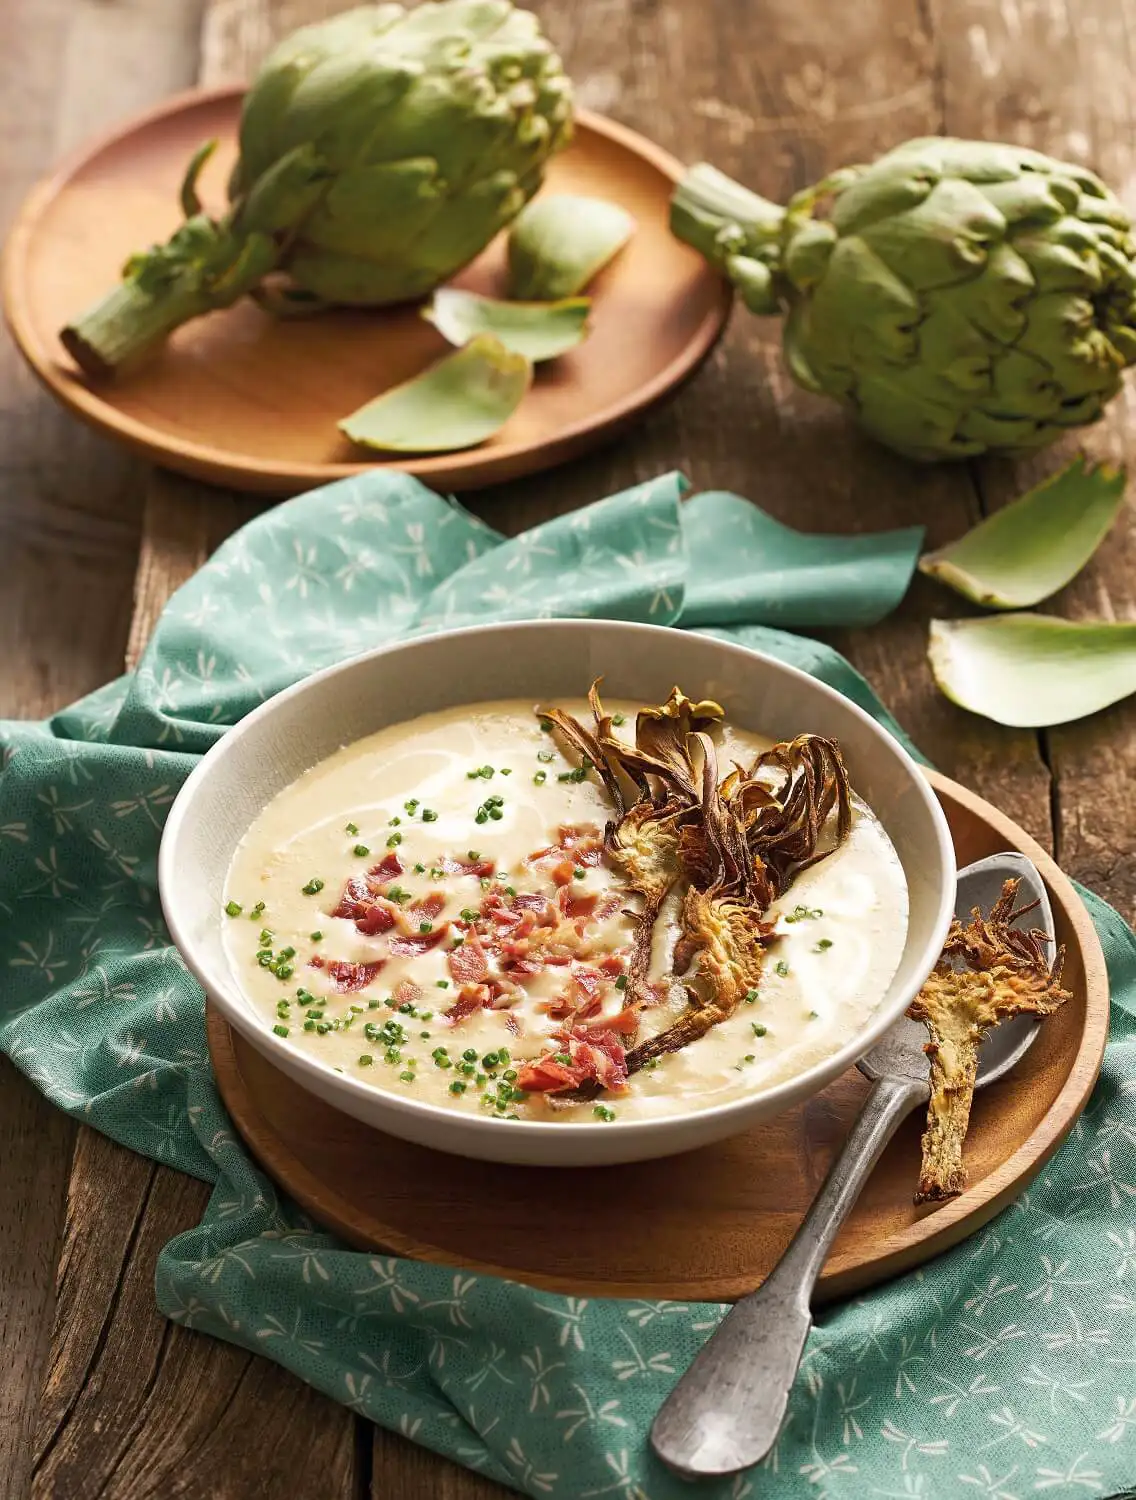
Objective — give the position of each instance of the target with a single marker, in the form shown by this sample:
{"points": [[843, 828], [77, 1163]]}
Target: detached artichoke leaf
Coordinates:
{"points": [[457, 403], [1033, 547], [1031, 671], [538, 330], [559, 242]]}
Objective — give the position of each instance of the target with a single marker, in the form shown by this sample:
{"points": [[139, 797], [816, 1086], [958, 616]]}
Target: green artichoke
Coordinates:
{"points": [[959, 297], [380, 151]]}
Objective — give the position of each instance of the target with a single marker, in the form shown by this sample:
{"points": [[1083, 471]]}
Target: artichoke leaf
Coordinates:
{"points": [[457, 403], [560, 241], [1034, 546], [1031, 671], [538, 330]]}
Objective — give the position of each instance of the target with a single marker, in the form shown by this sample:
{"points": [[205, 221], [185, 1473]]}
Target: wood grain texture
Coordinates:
{"points": [[70, 507]]}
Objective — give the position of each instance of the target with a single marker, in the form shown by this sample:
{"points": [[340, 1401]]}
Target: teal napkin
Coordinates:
{"points": [[1005, 1368]]}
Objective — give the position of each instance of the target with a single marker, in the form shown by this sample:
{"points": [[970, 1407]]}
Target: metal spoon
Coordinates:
{"points": [[725, 1412]]}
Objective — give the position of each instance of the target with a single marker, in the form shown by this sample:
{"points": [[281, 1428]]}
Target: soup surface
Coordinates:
{"points": [[432, 911]]}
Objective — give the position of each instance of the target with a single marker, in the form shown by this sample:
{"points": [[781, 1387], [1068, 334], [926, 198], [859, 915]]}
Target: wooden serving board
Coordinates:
{"points": [[709, 1224]]}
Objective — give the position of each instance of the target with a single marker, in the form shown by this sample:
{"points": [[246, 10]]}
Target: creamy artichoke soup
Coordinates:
{"points": [[436, 911]]}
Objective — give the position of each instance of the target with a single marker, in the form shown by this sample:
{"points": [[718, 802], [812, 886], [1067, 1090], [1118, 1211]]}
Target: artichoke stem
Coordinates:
{"points": [[129, 322], [728, 224]]}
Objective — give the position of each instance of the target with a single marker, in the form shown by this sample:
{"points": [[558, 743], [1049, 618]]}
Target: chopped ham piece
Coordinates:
{"points": [[389, 866], [357, 897]]}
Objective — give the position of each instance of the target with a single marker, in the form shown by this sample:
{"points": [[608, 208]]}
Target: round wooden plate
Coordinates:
{"points": [[710, 1224], [242, 399]]}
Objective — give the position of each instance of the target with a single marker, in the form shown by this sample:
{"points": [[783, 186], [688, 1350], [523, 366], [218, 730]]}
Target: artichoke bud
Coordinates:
{"points": [[380, 152], [959, 297]]}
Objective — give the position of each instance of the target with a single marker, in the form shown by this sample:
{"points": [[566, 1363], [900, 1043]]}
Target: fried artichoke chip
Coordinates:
{"points": [[736, 846], [1006, 974]]}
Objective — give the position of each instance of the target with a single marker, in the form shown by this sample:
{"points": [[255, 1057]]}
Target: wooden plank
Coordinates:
{"points": [[999, 81], [136, 1405], [69, 512]]}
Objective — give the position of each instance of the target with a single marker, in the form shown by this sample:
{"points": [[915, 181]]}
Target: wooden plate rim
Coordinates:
{"points": [[938, 1231], [477, 466]]}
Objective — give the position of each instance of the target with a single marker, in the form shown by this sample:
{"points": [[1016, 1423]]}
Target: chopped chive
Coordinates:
{"points": [[394, 822], [602, 1112], [546, 756], [233, 908], [506, 770], [540, 778], [781, 967], [621, 982], [280, 1030], [429, 815], [618, 719], [441, 984], [412, 806], [757, 1028], [394, 841], [366, 1060], [474, 854], [258, 910], [317, 936], [823, 945], [407, 1077], [564, 1058], [750, 996], [457, 1087], [425, 927], [421, 870], [361, 850], [352, 829], [804, 913]]}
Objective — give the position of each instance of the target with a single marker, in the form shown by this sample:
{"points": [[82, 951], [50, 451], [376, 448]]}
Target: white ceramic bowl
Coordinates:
{"points": [[541, 661]]}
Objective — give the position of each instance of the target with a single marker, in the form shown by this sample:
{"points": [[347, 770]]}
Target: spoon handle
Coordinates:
{"points": [[725, 1412]]}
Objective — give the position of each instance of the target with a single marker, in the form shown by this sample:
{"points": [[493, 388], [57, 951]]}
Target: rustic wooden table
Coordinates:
{"points": [[99, 1395]]}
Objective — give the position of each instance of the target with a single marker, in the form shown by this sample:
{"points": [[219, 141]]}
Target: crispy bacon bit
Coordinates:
{"points": [[429, 907], [562, 872], [389, 866], [357, 897], [406, 992], [612, 965], [530, 901], [413, 945], [468, 964], [545, 1076], [347, 977], [575, 906], [479, 867], [597, 1056], [376, 918], [470, 998]]}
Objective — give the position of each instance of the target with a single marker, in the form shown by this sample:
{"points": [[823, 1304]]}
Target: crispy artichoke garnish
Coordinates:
{"points": [[737, 846], [1006, 974]]}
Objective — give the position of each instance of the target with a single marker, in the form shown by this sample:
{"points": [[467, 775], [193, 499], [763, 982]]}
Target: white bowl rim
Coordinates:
{"points": [[220, 989]]}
